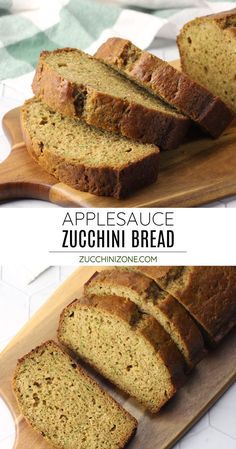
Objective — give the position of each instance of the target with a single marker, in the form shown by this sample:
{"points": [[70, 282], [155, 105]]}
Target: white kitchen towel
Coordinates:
{"points": [[29, 26], [75, 23], [161, 4], [142, 28]]}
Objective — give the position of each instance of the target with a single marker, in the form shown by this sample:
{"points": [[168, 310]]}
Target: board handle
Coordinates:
{"points": [[19, 178]]}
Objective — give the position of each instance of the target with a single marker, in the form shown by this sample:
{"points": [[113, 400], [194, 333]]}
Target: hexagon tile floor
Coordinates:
{"points": [[19, 301]]}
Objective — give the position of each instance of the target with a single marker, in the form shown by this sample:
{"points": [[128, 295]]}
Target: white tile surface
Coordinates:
{"points": [[65, 271], [208, 439], [14, 310], [39, 298], [231, 202], [4, 148], [18, 302], [28, 203], [8, 443], [15, 275], [4, 343], [200, 426], [7, 427], [6, 104], [216, 204], [222, 415]]}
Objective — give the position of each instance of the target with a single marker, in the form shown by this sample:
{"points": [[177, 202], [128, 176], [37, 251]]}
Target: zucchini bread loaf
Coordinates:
{"points": [[169, 84], [208, 293], [207, 51], [126, 346], [65, 405], [84, 157], [80, 86], [146, 294]]}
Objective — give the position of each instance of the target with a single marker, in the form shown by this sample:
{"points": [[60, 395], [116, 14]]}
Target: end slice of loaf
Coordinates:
{"points": [[208, 293], [78, 85], [169, 84], [127, 347], [84, 157], [207, 51], [144, 292], [65, 405]]}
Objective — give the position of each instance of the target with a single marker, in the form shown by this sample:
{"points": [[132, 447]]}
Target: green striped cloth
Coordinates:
{"points": [[28, 27]]}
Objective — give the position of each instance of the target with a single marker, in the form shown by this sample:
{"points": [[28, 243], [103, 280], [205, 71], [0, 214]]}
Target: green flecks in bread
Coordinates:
{"points": [[128, 347], [129, 282], [78, 85], [165, 82], [84, 157], [207, 50], [65, 405]]}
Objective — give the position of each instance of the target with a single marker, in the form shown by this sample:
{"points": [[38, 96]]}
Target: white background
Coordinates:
{"points": [[207, 235]]}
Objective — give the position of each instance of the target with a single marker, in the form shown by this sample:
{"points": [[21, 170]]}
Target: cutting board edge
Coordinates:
{"points": [[84, 273]]}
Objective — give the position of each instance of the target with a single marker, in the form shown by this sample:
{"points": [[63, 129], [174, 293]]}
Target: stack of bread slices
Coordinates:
{"points": [[142, 328], [98, 123]]}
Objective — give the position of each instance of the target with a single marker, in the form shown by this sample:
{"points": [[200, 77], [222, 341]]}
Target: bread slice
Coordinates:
{"points": [[169, 84], [84, 157], [146, 294], [207, 51], [208, 293], [129, 348], [78, 85], [66, 406]]}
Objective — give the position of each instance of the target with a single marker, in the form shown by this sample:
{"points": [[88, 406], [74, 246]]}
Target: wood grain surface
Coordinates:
{"points": [[204, 386], [200, 171]]}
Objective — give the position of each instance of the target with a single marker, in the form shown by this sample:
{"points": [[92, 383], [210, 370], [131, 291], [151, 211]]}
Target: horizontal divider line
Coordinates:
{"points": [[116, 252]]}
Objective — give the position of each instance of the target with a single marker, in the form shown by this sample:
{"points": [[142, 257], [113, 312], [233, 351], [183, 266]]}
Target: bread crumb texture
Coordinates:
{"points": [[207, 49], [65, 405], [128, 347]]}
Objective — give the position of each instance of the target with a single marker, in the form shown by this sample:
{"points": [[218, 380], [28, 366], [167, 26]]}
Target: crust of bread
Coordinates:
{"points": [[82, 372], [106, 181], [180, 321], [163, 80], [225, 19], [105, 111], [208, 293], [224, 24], [123, 309]]}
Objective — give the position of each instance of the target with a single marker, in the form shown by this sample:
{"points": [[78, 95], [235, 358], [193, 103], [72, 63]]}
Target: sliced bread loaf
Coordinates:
{"points": [[208, 293], [169, 84], [207, 51], [129, 348], [65, 405], [84, 157], [145, 293], [78, 85]]}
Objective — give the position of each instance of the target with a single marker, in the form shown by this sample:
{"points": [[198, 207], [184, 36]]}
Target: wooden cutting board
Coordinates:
{"points": [[200, 171], [204, 386]]}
